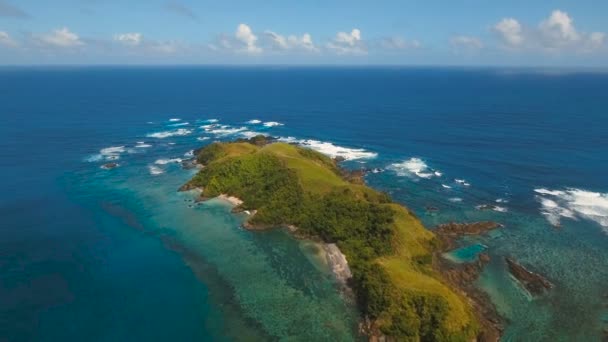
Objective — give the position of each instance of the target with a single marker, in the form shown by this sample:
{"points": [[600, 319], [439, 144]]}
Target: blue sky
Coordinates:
{"points": [[432, 32]]}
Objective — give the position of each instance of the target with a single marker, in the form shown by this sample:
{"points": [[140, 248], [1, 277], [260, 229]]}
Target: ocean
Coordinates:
{"points": [[88, 253]]}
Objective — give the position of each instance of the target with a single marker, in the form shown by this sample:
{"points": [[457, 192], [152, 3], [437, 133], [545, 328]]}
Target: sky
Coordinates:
{"points": [[314, 32]]}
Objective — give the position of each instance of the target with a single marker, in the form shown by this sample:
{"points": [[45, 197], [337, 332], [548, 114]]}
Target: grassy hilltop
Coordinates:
{"points": [[389, 251]]}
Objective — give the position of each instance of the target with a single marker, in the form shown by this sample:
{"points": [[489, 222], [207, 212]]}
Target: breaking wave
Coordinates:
{"points": [[167, 134], [414, 167], [332, 150], [574, 204]]}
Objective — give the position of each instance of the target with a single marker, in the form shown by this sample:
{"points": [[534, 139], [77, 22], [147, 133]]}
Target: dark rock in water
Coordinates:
{"points": [[533, 282], [339, 159], [189, 164], [377, 170], [432, 209], [187, 187], [109, 166], [450, 232], [463, 276]]}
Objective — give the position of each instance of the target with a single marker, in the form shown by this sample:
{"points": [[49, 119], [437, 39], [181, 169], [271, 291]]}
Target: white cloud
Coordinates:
{"points": [[132, 38], [559, 27], [245, 35], [466, 43], [348, 43], [6, 40], [291, 42], [555, 34], [399, 43], [510, 31], [62, 37]]}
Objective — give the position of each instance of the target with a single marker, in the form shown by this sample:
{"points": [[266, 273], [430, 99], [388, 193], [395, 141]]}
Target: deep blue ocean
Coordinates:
{"points": [[89, 254]]}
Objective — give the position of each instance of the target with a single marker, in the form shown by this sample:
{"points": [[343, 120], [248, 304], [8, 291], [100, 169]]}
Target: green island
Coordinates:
{"points": [[399, 292]]}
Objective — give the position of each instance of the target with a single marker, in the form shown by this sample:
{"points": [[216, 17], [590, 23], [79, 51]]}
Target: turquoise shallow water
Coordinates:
{"points": [[118, 255]]}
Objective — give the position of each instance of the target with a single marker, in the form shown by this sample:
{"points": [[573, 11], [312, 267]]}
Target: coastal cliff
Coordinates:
{"points": [[390, 254]]}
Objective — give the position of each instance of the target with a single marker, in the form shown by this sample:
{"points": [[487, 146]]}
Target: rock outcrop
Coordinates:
{"points": [[534, 283]]}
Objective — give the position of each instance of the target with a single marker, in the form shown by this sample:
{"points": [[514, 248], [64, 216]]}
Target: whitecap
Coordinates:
{"points": [[446, 186], [332, 150], [455, 199], [179, 124], [211, 120], [167, 161], [501, 200], [166, 134], [189, 154], [251, 134], [109, 153], [462, 182], [574, 204], [254, 122], [174, 119], [225, 130], [272, 124], [154, 170], [202, 138], [142, 144], [412, 167], [438, 174], [112, 150], [94, 158]]}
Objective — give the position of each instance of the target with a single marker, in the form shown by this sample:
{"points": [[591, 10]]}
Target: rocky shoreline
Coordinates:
{"points": [[534, 283], [463, 276]]}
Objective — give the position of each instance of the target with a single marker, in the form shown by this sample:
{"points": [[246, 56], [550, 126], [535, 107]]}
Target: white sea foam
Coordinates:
{"points": [[455, 199], [574, 204], [155, 170], [272, 124], [202, 138], [332, 150], [94, 158], [189, 154], [175, 119], [142, 144], [438, 173], [225, 130], [254, 122], [108, 153], [167, 134], [413, 167], [446, 186], [167, 161], [462, 182], [251, 134], [211, 120], [501, 200], [112, 150]]}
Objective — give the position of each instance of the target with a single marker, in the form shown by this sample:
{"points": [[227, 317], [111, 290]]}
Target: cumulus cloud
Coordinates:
{"points": [[62, 37], [245, 35], [8, 10], [399, 43], [348, 43], [291, 42], [556, 33], [133, 38], [510, 31], [466, 43], [6, 40]]}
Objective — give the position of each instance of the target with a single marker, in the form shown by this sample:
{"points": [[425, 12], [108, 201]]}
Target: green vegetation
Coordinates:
{"points": [[388, 249]]}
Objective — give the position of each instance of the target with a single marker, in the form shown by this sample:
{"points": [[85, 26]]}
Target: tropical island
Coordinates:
{"points": [[398, 285]]}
